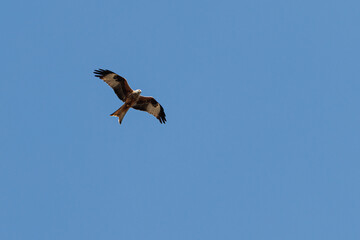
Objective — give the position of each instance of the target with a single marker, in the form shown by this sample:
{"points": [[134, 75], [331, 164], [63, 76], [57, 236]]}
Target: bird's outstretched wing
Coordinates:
{"points": [[118, 83], [150, 105]]}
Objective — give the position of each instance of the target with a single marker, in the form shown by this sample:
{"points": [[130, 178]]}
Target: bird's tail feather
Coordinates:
{"points": [[120, 113]]}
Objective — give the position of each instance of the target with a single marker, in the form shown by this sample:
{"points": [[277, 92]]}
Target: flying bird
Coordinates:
{"points": [[131, 98]]}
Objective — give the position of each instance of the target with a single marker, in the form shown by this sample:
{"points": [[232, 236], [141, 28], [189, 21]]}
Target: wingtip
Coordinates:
{"points": [[162, 116], [101, 72], [162, 119]]}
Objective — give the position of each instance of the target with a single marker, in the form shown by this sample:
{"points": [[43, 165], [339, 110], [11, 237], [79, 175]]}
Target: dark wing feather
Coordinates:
{"points": [[118, 83], [150, 105]]}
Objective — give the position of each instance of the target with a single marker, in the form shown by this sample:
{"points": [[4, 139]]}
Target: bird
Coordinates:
{"points": [[131, 98]]}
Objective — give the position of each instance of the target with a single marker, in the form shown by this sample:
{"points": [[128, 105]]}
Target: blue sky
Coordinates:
{"points": [[262, 139]]}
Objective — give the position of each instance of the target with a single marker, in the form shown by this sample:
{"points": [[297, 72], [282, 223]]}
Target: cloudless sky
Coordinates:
{"points": [[262, 102]]}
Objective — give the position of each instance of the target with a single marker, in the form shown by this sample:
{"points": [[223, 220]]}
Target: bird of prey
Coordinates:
{"points": [[131, 98]]}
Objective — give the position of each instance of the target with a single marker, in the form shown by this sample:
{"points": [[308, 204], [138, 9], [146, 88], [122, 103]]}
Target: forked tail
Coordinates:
{"points": [[120, 113]]}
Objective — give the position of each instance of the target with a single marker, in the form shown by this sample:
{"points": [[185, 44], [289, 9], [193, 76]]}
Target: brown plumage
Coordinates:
{"points": [[131, 98]]}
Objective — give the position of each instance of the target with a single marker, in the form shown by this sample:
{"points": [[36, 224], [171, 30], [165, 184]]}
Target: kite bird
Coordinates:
{"points": [[130, 97]]}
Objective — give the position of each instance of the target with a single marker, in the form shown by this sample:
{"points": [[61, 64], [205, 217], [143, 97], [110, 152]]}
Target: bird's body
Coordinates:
{"points": [[131, 98]]}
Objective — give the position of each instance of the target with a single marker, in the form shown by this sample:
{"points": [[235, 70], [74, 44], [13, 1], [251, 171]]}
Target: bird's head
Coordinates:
{"points": [[138, 91]]}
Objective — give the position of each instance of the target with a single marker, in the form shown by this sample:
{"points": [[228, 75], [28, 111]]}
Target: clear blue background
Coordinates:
{"points": [[262, 101]]}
